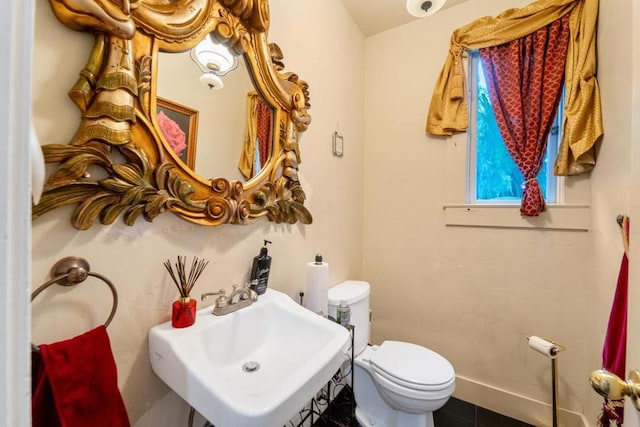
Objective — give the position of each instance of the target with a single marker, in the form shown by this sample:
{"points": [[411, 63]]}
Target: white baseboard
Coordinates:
{"points": [[522, 408]]}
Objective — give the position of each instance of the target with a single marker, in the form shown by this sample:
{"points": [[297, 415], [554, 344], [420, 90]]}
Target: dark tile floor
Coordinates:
{"points": [[455, 413]]}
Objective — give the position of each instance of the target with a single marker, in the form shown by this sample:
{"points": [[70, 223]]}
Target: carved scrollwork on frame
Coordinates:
{"points": [[117, 166]]}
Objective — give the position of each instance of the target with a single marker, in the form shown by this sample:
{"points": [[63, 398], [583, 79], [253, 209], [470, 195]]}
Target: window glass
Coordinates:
{"points": [[493, 176]]}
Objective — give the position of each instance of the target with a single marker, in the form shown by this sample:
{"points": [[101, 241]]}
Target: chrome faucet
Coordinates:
{"points": [[239, 298]]}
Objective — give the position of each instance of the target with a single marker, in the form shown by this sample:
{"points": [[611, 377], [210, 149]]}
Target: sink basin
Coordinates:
{"points": [[257, 366]]}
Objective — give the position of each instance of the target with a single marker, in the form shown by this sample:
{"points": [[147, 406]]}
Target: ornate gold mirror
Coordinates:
{"points": [[143, 148]]}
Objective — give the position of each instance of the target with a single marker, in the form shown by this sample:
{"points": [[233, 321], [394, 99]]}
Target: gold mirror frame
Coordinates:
{"points": [[118, 140]]}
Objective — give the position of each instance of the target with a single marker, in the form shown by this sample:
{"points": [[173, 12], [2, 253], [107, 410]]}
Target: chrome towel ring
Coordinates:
{"points": [[70, 271]]}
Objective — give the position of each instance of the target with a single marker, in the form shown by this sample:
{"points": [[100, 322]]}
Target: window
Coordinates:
{"points": [[493, 177]]}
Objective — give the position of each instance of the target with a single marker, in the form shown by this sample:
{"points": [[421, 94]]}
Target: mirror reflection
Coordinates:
{"points": [[225, 124]]}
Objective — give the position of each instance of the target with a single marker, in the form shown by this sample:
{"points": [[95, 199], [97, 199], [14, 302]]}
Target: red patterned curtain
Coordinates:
{"points": [[525, 79], [264, 132]]}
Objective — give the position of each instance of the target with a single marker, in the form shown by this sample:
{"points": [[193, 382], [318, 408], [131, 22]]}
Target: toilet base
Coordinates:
{"points": [[373, 411], [403, 419]]}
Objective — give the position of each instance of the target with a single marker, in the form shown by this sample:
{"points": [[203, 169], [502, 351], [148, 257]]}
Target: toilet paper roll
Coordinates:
{"points": [[317, 287], [543, 346]]}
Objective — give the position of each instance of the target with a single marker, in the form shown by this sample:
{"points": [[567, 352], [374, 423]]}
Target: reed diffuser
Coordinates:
{"points": [[184, 309]]}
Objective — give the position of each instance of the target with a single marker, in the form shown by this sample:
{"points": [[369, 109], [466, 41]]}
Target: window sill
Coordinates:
{"points": [[558, 217]]}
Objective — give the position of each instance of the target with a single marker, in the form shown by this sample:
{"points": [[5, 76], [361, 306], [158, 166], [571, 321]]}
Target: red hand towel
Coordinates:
{"points": [[615, 343], [75, 384]]}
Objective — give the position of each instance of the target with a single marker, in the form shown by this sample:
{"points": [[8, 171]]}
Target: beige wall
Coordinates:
{"points": [[475, 294], [333, 65]]}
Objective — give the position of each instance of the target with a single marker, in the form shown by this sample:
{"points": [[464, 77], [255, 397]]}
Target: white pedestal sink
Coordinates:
{"points": [[256, 367]]}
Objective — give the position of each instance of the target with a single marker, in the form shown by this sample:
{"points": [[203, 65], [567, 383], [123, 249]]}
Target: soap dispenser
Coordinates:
{"points": [[260, 270]]}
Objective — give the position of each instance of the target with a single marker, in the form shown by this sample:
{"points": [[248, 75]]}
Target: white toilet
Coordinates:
{"points": [[396, 384]]}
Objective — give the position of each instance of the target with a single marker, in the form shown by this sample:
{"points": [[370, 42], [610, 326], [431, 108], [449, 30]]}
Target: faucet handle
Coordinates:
{"points": [[221, 301], [253, 295]]}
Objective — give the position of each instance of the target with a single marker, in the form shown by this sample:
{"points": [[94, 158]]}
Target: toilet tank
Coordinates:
{"points": [[356, 294]]}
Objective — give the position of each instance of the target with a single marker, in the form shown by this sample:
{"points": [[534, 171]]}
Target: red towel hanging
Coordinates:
{"points": [[74, 384], [615, 344]]}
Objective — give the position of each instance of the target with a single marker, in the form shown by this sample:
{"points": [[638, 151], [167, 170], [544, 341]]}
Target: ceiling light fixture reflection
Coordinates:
{"points": [[211, 81], [215, 60]]}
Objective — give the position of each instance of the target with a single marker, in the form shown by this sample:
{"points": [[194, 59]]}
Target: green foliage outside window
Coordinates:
{"points": [[497, 176]]}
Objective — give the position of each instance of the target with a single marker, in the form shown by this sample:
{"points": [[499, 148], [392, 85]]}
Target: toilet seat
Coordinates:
{"points": [[412, 393], [413, 367]]}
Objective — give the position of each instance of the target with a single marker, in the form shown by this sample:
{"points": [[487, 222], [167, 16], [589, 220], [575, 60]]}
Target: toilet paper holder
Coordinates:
{"points": [[551, 349]]}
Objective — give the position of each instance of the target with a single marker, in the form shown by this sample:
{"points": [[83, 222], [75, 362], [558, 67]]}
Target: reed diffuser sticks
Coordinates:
{"points": [[185, 281]]}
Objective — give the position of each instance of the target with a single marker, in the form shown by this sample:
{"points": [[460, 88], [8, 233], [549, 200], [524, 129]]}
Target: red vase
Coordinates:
{"points": [[184, 313]]}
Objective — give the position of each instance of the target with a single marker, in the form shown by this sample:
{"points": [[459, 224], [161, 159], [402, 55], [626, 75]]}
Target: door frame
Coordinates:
{"points": [[16, 44], [632, 416]]}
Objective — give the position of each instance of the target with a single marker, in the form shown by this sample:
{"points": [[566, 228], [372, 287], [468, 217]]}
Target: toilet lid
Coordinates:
{"points": [[412, 365]]}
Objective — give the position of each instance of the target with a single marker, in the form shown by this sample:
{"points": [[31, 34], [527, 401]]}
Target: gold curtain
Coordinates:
{"points": [[246, 165], [582, 126]]}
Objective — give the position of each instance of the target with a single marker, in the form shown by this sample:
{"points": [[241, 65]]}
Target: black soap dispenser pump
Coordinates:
{"points": [[260, 270]]}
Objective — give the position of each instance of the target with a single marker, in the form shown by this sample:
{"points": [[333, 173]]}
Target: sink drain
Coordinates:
{"points": [[251, 366]]}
